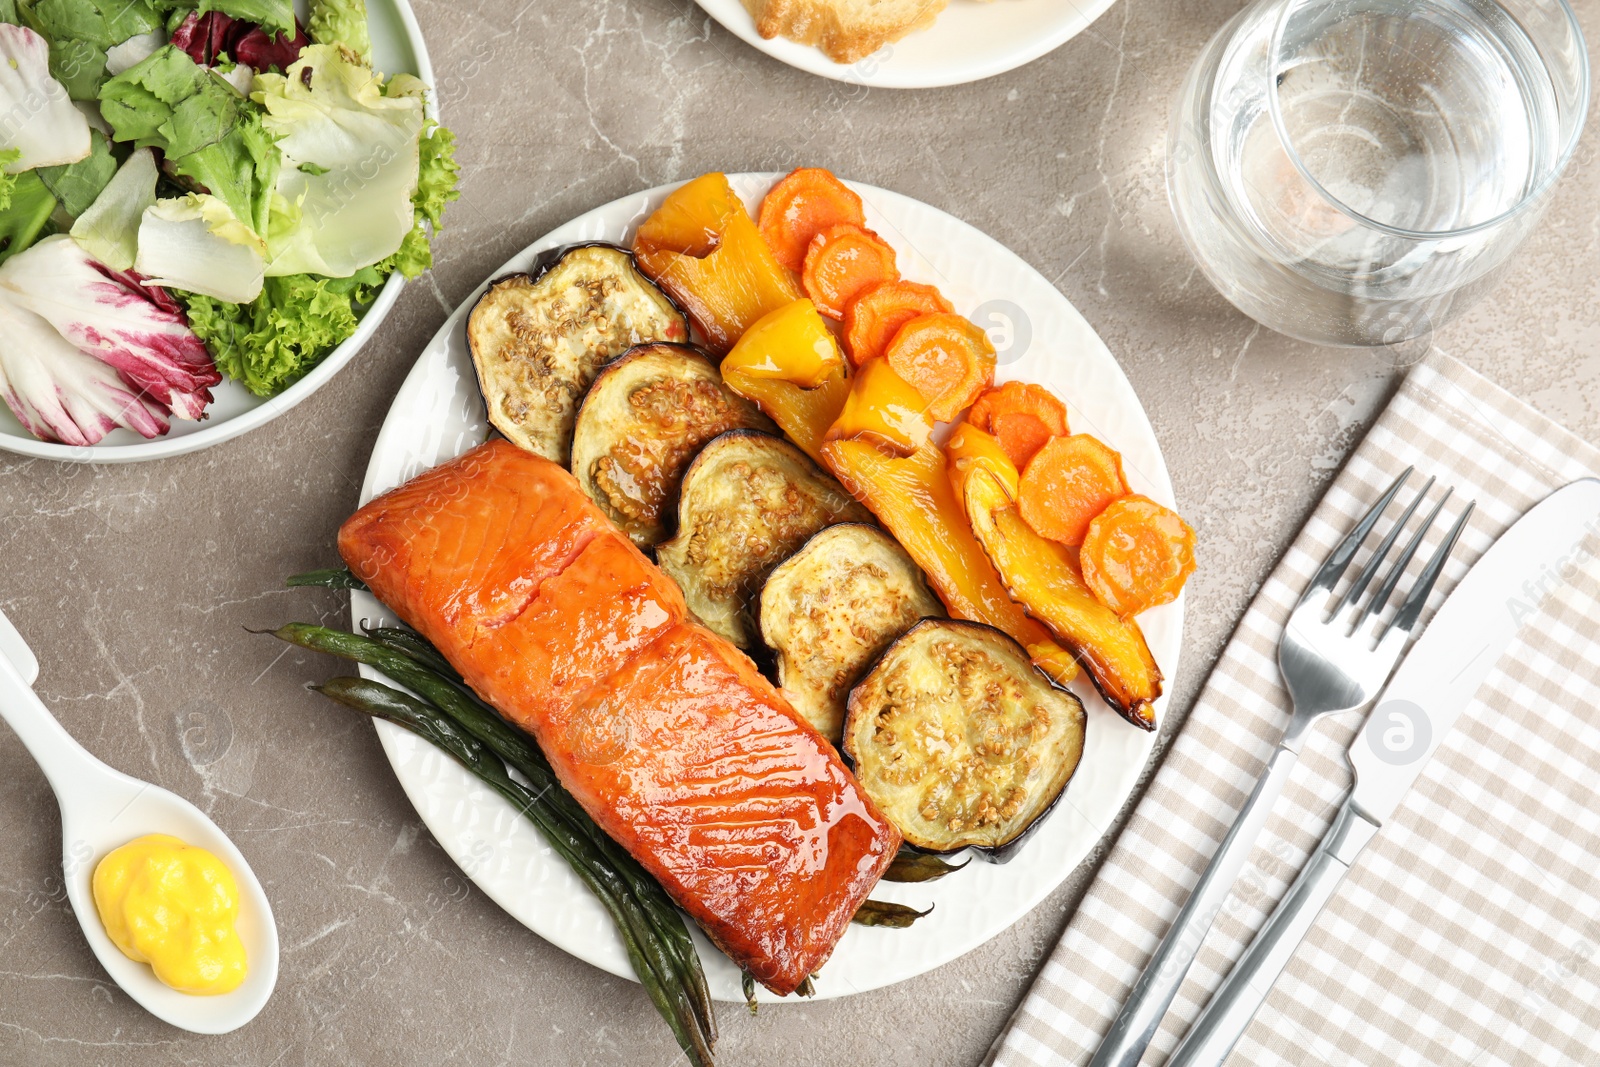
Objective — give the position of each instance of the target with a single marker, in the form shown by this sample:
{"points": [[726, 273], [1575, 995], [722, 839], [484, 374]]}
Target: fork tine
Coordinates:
{"points": [[1359, 586], [1396, 572], [1333, 567], [1411, 610]]}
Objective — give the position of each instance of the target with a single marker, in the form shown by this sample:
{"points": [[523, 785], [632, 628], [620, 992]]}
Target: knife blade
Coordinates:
{"points": [[1472, 629], [1420, 705]]}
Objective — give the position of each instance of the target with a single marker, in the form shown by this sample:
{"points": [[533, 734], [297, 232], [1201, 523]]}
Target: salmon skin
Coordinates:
{"points": [[666, 734]]}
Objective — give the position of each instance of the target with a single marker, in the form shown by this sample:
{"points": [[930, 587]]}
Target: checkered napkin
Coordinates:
{"points": [[1468, 933]]}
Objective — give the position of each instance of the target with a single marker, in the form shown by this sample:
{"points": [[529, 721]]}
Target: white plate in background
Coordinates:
{"points": [[970, 40]]}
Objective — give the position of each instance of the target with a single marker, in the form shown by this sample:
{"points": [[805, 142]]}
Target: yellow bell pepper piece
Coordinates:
{"points": [[704, 249], [804, 415], [791, 344], [968, 449], [882, 406]]}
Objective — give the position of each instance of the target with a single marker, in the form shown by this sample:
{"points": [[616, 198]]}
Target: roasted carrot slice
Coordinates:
{"points": [[801, 206], [872, 319], [1066, 484], [1136, 555], [1022, 416], [843, 262], [946, 358]]}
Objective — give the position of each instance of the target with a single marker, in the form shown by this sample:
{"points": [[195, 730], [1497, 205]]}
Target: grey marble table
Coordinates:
{"points": [[135, 584]]}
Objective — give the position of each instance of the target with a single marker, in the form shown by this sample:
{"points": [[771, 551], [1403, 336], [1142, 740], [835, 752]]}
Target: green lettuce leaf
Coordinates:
{"points": [[76, 185], [8, 12], [101, 23], [207, 131], [271, 342], [78, 65], [26, 214], [341, 22], [352, 208], [109, 230]]}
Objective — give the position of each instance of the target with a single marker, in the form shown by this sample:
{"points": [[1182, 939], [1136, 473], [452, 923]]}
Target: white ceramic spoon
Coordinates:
{"points": [[101, 809]]}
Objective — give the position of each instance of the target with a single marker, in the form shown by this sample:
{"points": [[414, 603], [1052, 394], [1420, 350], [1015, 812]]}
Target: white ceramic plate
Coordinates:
{"points": [[969, 41], [396, 48], [439, 414]]}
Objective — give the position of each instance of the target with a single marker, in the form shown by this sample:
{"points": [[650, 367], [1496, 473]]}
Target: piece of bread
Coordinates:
{"points": [[846, 30]]}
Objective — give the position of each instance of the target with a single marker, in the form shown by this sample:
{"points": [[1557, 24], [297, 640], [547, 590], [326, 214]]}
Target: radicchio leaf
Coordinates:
{"points": [[213, 34], [60, 394], [117, 319]]}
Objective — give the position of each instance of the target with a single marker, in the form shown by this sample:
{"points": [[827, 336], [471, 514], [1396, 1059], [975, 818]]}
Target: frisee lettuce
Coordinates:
{"points": [[341, 22], [8, 182], [437, 173], [270, 342]]}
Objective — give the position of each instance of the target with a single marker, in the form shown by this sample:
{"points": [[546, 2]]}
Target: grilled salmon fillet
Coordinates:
{"points": [[665, 733]]}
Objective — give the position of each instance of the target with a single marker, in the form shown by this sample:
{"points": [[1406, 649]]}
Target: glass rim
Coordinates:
{"points": [[1275, 50]]}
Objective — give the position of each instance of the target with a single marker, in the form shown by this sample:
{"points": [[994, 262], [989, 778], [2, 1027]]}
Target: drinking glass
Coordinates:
{"points": [[1357, 172]]}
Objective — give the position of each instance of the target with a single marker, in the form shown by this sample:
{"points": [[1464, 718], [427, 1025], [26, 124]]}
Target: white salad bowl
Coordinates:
{"points": [[397, 48]]}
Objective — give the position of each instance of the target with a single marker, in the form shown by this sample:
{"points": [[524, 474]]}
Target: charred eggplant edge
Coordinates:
{"points": [[781, 656], [1006, 851], [708, 453], [543, 263], [669, 514]]}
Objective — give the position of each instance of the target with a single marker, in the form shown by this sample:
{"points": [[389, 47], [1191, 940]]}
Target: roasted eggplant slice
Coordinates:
{"points": [[645, 417], [538, 339], [830, 609], [1044, 578], [748, 500], [960, 740]]}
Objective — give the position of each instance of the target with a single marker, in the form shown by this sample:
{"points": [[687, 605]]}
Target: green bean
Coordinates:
{"points": [[413, 644], [646, 952], [519, 751], [331, 578], [506, 741]]}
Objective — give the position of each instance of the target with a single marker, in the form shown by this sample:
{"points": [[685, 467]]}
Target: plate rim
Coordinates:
{"points": [[734, 17], [394, 739], [166, 446]]}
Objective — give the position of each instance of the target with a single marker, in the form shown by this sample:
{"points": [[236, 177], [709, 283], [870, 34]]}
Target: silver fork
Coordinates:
{"points": [[1331, 662]]}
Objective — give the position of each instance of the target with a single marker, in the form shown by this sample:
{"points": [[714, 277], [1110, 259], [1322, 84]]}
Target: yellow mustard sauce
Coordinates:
{"points": [[173, 906]]}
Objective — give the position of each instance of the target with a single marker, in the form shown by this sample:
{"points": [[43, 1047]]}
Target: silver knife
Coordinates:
{"points": [[1420, 705]]}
